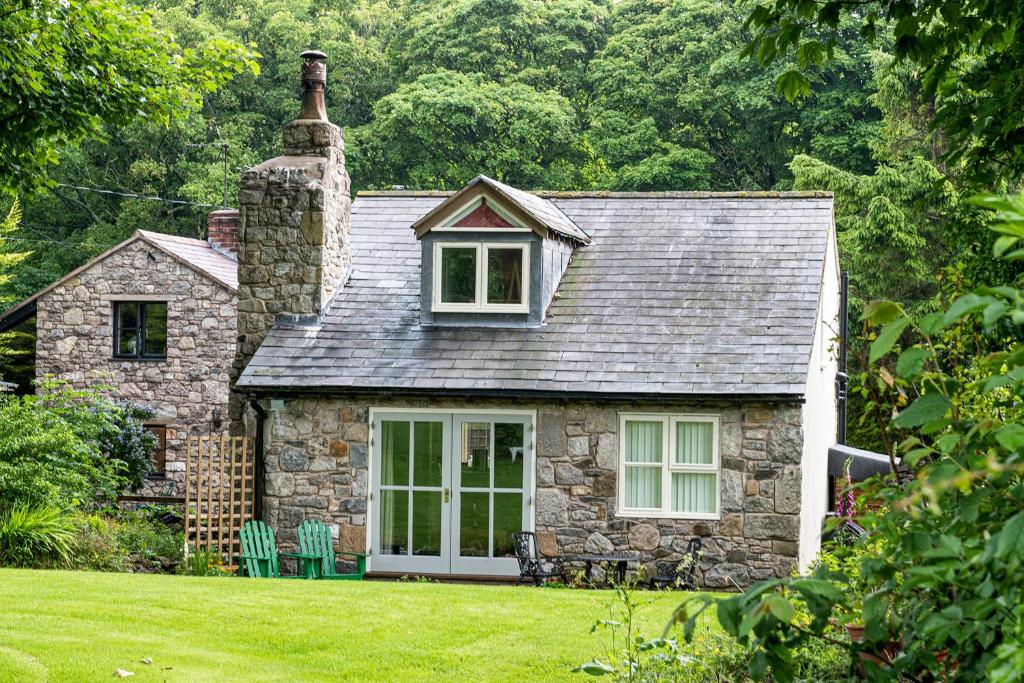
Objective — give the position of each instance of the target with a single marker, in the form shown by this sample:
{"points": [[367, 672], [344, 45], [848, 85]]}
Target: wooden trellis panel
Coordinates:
{"points": [[220, 475]]}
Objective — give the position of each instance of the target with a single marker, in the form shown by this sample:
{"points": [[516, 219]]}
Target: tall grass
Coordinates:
{"points": [[35, 536]]}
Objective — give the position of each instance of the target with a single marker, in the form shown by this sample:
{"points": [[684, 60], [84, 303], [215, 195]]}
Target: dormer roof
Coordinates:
{"points": [[528, 209]]}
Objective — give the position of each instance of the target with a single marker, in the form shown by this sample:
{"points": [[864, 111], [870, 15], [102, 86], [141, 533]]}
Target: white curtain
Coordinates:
{"points": [[693, 443], [693, 492], [643, 482]]}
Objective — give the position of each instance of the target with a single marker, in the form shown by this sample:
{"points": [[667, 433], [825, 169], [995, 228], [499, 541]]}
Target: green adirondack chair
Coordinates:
{"points": [[259, 551], [260, 558], [315, 539]]}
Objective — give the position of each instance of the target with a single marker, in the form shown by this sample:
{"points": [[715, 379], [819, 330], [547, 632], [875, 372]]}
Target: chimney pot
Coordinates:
{"points": [[314, 85]]}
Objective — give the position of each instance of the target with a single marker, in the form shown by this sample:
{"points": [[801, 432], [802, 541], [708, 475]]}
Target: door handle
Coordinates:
{"points": [[446, 492]]}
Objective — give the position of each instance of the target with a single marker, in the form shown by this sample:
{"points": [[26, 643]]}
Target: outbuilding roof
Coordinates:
{"points": [[677, 294], [196, 254]]}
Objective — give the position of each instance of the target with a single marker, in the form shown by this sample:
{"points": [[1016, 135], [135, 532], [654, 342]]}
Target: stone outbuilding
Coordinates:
{"points": [[155, 318]]}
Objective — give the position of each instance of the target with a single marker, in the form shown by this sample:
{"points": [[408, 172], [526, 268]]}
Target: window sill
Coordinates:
{"points": [[441, 308], [658, 514], [161, 359]]}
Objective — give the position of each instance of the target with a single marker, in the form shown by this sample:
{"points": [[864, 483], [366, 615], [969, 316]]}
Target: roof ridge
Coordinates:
{"points": [[601, 194], [175, 238]]}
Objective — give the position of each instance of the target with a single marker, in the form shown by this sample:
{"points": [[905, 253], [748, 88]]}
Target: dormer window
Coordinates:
{"points": [[481, 276], [492, 256]]}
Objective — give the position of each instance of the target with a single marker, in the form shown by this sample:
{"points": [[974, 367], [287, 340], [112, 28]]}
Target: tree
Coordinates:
{"points": [[970, 54], [671, 74], [71, 68], [445, 128], [547, 45]]}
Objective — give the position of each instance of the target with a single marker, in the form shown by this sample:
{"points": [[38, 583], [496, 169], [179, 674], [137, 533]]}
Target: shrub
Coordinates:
{"points": [[126, 542], [35, 536], [70, 447]]}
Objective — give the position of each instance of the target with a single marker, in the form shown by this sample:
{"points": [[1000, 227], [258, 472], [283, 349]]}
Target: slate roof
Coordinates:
{"points": [[196, 254], [541, 210], [677, 294]]}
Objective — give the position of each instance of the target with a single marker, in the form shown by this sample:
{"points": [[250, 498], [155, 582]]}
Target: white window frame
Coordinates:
{"points": [[480, 304], [669, 466]]}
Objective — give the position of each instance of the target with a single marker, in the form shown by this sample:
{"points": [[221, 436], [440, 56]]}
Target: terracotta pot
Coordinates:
{"points": [[885, 656]]}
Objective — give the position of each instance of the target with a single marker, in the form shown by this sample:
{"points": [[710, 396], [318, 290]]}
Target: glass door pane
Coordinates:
{"points": [[411, 480], [491, 480]]}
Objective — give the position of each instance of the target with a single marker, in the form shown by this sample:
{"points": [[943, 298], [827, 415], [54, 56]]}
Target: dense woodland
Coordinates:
{"points": [[554, 94]]}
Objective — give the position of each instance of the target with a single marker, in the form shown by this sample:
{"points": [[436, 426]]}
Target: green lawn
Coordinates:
{"points": [[78, 626]]}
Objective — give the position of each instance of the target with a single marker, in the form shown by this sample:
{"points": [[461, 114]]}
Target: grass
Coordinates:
{"points": [[79, 626]]}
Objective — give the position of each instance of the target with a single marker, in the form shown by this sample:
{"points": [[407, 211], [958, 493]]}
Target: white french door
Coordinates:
{"points": [[449, 489]]}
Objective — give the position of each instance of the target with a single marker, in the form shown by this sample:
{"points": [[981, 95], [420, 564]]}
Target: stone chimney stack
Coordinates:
{"points": [[294, 252], [222, 231]]}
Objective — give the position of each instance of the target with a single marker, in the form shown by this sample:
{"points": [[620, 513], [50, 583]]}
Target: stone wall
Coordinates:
{"points": [[316, 460], [189, 390], [294, 251]]}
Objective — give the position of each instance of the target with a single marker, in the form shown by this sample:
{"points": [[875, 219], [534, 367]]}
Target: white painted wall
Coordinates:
{"points": [[819, 410]]}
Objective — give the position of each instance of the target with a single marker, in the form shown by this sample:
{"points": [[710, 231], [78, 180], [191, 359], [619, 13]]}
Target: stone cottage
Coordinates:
{"points": [[153, 317], [430, 372]]}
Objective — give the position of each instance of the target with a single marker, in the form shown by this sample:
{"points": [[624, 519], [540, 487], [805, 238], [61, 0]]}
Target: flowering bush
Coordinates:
{"points": [[70, 447]]}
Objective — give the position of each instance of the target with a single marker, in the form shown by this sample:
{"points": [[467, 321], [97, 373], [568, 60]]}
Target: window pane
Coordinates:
{"points": [[128, 315], [508, 520], [474, 524], [426, 523], [643, 441], [394, 522], [156, 330], [643, 487], [126, 343], [509, 443], [476, 450], [694, 492], [504, 276], [458, 275], [693, 443], [427, 453], [394, 453]]}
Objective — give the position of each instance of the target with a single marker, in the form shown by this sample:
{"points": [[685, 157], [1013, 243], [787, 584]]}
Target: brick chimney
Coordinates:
{"points": [[222, 231], [293, 235]]}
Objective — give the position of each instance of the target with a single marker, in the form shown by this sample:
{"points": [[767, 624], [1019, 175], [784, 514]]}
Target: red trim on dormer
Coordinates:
{"points": [[482, 216]]}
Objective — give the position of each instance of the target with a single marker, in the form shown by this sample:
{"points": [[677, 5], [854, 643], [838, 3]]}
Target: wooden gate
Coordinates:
{"points": [[220, 475]]}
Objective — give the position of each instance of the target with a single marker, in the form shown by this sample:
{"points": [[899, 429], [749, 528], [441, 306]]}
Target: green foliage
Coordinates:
{"points": [[969, 52], [703, 654], [68, 447], [671, 74], [202, 562], [117, 541], [69, 68], [32, 536], [938, 571], [446, 127], [890, 224]]}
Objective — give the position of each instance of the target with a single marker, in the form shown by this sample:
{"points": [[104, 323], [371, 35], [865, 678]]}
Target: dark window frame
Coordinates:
{"points": [[139, 329]]}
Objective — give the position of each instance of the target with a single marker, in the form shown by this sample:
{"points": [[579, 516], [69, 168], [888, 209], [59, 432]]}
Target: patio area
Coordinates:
{"points": [[74, 626]]}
